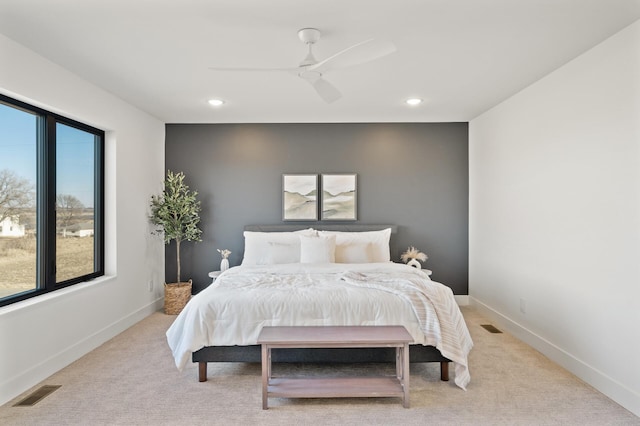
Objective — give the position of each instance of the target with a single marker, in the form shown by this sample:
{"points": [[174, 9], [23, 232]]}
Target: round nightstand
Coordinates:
{"points": [[213, 275]]}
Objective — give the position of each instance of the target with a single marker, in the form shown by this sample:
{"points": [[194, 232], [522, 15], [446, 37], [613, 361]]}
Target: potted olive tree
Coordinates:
{"points": [[176, 214]]}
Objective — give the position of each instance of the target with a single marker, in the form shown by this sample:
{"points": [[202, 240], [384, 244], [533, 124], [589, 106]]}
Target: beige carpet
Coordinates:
{"points": [[511, 384]]}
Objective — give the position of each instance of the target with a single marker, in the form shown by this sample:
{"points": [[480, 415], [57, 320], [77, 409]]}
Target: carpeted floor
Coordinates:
{"points": [[511, 384]]}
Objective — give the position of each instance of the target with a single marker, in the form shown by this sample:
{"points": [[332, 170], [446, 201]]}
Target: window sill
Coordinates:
{"points": [[45, 298]]}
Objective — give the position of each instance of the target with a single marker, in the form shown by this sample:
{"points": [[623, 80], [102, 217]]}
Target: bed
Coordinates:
{"points": [[328, 275]]}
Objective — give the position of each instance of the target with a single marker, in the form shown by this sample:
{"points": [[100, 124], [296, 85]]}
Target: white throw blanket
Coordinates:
{"points": [[446, 330], [233, 310]]}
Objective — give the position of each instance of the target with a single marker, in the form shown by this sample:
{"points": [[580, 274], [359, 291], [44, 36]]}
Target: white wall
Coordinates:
{"points": [[555, 216], [42, 335]]}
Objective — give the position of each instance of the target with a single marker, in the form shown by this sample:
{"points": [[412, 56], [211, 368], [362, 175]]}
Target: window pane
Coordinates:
{"points": [[75, 202], [18, 165]]}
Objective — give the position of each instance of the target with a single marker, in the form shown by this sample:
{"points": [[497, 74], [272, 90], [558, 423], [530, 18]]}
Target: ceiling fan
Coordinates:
{"points": [[312, 70]]}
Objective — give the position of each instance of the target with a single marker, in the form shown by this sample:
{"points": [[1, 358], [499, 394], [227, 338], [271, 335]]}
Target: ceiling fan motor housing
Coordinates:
{"points": [[309, 35]]}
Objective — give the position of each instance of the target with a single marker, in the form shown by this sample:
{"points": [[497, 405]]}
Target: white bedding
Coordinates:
{"points": [[243, 299]]}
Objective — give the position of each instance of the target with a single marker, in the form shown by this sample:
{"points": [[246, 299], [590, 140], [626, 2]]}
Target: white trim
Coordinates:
{"points": [[25, 380], [52, 295], [596, 378], [462, 300]]}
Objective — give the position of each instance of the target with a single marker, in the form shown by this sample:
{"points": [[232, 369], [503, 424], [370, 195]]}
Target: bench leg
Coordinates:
{"points": [[444, 371], [405, 375], [266, 375], [202, 371]]}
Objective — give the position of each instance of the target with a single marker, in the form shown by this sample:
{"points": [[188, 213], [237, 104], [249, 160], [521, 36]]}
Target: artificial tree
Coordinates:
{"points": [[176, 213]]}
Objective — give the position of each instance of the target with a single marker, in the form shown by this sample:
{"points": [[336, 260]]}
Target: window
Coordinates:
{"points": [[51, 201]]}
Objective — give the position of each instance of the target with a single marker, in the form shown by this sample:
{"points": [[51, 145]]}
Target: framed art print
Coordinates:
{"points": [[299, 197], [339, 197]]}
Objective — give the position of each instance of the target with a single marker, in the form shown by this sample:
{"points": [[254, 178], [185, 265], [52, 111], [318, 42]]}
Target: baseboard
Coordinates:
{"points": [[462, 300], [39, 372], [610, 387]]}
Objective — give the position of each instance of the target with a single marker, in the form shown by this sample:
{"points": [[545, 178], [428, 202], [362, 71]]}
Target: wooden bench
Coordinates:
{"points": [[336, 337]]}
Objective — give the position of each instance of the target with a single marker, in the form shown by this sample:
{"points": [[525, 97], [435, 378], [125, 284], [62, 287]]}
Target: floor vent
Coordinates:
{"points": [[490, 328], [37, 396]]}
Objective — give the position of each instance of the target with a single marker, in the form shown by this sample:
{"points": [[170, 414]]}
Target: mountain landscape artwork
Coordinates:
{"points": [[339, 197], [300, 197]]}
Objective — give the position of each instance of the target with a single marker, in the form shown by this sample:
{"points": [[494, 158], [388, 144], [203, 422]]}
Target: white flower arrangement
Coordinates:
{"points": [[413, 253], [224, 253]]}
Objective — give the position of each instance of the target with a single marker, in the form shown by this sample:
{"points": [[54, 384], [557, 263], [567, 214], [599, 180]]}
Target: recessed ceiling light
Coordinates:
{"points": [[216, 102], [413, 101]]}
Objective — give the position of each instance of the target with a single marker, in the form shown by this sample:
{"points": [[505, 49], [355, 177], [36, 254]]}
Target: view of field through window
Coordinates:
{"points": [[20, 143], [74, 202]]}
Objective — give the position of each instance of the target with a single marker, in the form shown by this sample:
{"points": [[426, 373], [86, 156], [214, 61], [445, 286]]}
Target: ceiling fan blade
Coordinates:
{"points": [[359, 53], [326, 90]]}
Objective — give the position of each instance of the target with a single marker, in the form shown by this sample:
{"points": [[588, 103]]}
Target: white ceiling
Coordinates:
{"points": [[461, 56]]}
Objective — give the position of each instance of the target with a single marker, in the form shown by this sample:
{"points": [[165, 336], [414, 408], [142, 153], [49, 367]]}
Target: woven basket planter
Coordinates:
{"points": [[176, 296]]}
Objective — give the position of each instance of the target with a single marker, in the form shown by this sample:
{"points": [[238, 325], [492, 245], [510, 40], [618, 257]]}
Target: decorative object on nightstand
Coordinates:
{"points": [[176, 213], [224, 263], [412, 256]]}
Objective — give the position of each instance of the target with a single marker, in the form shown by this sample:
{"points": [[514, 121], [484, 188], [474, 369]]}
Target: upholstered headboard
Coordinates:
{"points": [[320, 227]]}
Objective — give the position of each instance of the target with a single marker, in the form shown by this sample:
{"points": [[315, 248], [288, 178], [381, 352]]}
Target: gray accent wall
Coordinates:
{"points": [[413, 175]]}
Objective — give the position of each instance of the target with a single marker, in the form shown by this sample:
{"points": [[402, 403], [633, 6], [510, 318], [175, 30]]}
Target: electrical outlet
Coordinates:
{"points": [[523, 306], [150, 285]]}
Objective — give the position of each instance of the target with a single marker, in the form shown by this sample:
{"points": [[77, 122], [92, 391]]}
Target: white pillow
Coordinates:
{"points": [[354, 253], [317, 249], [281, 252], [361, 247], [265, 248]]}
